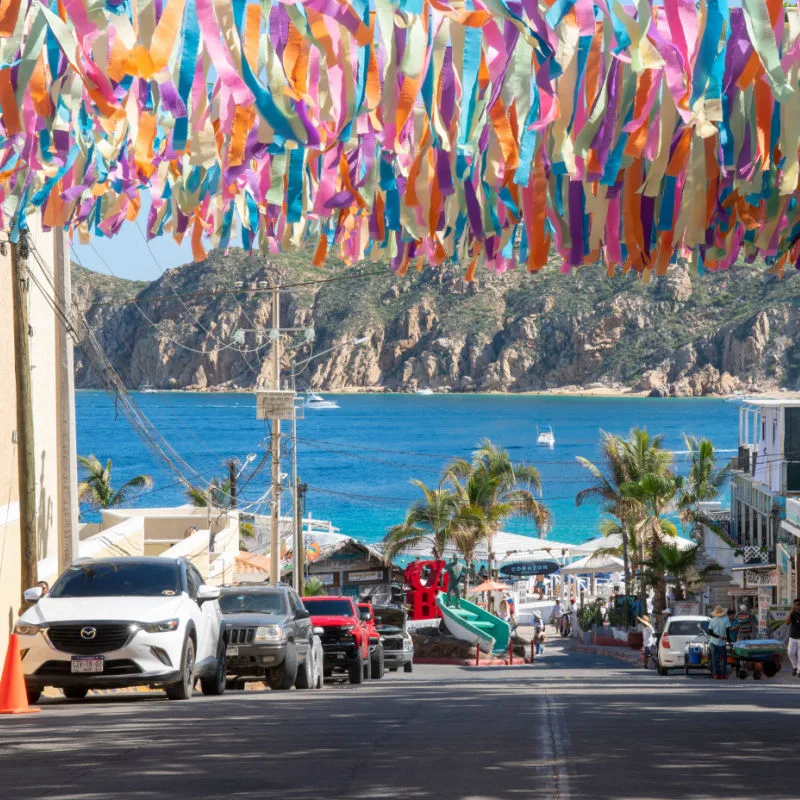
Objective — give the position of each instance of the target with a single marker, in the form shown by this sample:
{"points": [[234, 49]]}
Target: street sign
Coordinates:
{"points": [[275, 404], [526, 569]]}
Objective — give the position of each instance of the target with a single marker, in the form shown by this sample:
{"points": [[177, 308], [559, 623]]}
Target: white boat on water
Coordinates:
{"points": [[424, 390], [147, 388], [546, 437], [315, 401]]}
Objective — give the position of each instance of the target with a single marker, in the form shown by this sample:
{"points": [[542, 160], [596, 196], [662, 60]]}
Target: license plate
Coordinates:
{"points": [[87, 663], [233, 651]]}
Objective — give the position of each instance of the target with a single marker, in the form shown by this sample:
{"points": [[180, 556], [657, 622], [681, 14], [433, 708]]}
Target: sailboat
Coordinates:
{"points": [[147, 388], [546, 437]]}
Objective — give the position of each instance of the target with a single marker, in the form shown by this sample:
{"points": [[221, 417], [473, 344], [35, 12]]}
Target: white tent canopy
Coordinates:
{"points": [[510, 547], [615, 540], [592, 564]]}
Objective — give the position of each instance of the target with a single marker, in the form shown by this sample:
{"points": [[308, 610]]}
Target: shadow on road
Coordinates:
{"points": [[443, 732]]}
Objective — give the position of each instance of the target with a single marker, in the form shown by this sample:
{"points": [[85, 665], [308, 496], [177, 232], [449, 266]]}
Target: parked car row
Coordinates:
{"points": [[139, 621]]}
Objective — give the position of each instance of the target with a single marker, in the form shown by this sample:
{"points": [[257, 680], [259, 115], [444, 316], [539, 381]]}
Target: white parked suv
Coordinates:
{"points": [[679, 633], [119, 622]]}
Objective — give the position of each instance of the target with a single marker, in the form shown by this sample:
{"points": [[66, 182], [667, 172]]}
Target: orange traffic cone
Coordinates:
{"points": [[13, 696]]}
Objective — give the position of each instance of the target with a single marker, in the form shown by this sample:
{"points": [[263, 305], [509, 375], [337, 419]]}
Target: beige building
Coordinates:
{"points": [[54, 420]]}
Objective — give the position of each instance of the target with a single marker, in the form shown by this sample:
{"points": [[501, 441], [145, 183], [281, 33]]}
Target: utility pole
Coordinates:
{"points": [[26, 462], [274, 539], [300, 553], [297, 513], [232, 481]]}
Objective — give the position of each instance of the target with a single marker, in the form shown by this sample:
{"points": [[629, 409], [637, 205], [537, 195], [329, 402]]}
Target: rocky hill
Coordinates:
{"points": [[203, 326]]}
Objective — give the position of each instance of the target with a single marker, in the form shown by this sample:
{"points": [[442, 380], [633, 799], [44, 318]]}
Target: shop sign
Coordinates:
{"points": [[325, 578], [777, 622], [525, 569], [685, 608], [764, 599], [371, 576]]}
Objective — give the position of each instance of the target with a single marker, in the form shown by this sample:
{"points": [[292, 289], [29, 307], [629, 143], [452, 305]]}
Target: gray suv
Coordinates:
{"points": [[269, 636]]}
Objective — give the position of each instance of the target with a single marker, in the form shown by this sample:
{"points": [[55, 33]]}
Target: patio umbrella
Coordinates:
{"points": [[490, 586]]}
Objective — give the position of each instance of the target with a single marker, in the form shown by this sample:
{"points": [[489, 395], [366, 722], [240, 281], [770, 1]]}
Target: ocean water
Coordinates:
{"points": [[358, 460]]}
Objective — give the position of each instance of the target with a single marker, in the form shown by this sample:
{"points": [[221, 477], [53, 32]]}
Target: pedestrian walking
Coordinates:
{"points": [[556, 615], [538, 633], [745, 623], [793, 623], [718, 632]]}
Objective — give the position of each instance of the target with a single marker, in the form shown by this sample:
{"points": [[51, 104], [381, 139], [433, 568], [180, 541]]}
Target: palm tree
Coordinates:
{"points": [[670, 561], [217, 495], [428, 520], [313, 587], [655, 493], [624, 460], [491, 488], [96, 489], [703, 483]]}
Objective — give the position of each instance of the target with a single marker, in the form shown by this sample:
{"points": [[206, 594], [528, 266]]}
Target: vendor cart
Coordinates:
{"points": [[697, 656], [759, 656]]}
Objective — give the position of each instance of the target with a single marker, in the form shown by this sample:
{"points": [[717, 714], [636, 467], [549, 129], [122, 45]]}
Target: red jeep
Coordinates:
{"points": [[344, 636], [375, 641]]}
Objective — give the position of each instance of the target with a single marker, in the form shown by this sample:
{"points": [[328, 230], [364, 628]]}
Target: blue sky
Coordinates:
{"points": [[126, 255]]}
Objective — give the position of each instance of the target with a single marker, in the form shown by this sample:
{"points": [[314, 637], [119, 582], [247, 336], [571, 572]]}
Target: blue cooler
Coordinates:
{"points": [[695, 655]]}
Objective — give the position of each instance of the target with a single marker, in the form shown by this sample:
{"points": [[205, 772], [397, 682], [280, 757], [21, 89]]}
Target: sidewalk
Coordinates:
{"points": [[634, 658]]}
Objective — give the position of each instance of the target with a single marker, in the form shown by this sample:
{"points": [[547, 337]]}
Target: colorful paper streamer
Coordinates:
{"points": [[481, 131]]}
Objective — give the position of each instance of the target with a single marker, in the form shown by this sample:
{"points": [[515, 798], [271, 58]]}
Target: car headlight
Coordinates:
{"points": [[156, 627], [27, 629], [269, 633]]}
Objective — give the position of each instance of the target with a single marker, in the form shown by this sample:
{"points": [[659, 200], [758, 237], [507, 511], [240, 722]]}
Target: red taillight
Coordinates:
{"points": [[665, 641]]}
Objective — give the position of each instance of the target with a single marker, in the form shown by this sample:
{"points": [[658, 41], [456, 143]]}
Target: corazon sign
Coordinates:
{"points": [[524, 569]]}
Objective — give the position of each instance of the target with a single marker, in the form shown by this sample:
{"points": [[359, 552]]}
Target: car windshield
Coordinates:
{"points": [[328, 608], [252, 603], [686, 627], [110, 579]]}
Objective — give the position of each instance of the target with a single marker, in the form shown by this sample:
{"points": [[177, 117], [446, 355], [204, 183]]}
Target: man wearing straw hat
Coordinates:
{"points": [[718, 631]]}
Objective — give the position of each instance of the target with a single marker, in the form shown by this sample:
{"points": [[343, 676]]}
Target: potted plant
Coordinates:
{"points": [[588, 618]]}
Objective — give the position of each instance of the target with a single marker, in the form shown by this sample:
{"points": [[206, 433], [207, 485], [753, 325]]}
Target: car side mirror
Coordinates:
{"points": [[33, 595], [302, 613], [365, 616], [207, 592]]}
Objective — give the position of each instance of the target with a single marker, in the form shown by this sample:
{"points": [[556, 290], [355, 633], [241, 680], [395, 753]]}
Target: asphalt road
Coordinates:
{"points": [[572, 727]]}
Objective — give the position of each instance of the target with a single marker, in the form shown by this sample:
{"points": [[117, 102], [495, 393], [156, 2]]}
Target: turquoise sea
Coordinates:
{"points": [[358, 460]]}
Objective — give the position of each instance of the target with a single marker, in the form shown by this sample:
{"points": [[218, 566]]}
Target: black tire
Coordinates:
{"points": [[356, 671], [408, 667], [305, 674], [33, 696], [74, 692], [182, 689], [378, 665], [282, 677], [757, 675], [327, 672], [662, 670], [392, 669], [770, 669], [216, 683]]}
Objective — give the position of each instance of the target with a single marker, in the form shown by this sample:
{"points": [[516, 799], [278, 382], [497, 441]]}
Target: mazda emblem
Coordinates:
{"points": [[88, 633]]}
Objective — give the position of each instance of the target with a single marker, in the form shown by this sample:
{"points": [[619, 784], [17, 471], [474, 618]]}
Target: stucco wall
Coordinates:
{"points": [[48, 424]]}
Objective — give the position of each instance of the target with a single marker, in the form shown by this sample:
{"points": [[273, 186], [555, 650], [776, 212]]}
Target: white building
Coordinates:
{"points": [[765, 484]]}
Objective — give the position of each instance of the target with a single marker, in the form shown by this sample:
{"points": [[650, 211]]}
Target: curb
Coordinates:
{"points": [[488, 661]]}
